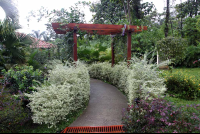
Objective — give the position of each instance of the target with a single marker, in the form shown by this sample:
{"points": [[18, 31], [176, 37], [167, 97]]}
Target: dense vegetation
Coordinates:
{"points": [[43, 89]]}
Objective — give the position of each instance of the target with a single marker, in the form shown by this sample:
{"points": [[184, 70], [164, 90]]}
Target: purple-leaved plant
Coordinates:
{"points": [[159, 116]]}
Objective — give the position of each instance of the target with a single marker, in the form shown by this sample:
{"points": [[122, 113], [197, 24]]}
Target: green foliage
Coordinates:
{"points": [[38, 58], [188, 8], [12, 114], [105, 56], [181, 87], [94, 50], [190, 30], [172, 48], [106, 12], [12, 44], [32, 62], [67, 89], [22, 78], [192, 54]]}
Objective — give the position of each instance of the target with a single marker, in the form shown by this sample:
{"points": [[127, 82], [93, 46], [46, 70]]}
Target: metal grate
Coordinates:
{"points": [[99, 129]]}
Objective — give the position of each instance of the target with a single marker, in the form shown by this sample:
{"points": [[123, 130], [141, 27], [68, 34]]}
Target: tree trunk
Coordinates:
{"points": [[181, 22], [124, 8], [196, 8], [129, 14], [171, 27], [167, 19]]}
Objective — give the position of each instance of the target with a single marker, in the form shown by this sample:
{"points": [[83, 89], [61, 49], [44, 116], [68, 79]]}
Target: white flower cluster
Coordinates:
{"points": [[139, 75], [68, 90]]}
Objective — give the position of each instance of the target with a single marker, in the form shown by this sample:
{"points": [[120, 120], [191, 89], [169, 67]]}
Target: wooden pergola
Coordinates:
{"points": [[101, 29]]}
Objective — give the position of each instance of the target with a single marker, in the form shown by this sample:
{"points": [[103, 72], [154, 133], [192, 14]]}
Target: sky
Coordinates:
{"points": [[25, 6]]}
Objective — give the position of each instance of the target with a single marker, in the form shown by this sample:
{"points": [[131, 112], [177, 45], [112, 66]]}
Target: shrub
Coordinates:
{"points": [[38, 58], [22, 78], [129, 80], [172, 48], [192, 54], [181, 87], [67, 91], [12, 115], [159, 115]]}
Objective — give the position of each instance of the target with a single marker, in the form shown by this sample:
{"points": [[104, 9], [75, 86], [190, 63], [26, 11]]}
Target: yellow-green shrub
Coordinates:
{"points": [[181, 87]]}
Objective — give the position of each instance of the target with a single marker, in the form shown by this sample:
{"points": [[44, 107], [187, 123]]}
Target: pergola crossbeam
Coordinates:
{"points": [[101, 29]]}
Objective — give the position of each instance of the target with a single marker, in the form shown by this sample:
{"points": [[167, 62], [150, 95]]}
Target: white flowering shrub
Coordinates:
{"points": [[67, 91], [141, 74], [144, 76]]}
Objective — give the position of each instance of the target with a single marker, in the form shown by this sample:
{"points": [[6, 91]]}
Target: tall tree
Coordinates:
{"points": [[167, 19], [190, 8], [113, 11], [11, 11], [107, 11]]}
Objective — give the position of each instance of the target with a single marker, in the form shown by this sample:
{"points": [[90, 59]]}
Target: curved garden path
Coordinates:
{"points": [[105, 106]]}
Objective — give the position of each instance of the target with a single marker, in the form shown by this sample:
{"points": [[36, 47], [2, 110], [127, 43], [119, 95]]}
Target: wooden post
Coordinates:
{"points": [[113, 52], [129, 47], [75, 45]]}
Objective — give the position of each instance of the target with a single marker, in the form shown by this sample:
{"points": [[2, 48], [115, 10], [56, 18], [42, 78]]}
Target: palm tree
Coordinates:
{"points": [[11, 11], [46, 38], [12, 43], [37, 34]]}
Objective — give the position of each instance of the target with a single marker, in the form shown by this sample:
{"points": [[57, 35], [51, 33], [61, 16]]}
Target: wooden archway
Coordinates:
{"points": [[101, 29]]}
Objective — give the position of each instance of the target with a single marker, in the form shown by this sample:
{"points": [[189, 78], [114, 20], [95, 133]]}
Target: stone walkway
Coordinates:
{"points": [[105, 106]]}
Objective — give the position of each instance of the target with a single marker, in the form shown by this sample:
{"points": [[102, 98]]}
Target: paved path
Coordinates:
{"points": [[105, 106]]}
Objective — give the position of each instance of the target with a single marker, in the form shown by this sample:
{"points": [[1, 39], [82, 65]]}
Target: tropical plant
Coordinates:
{"points": [[12, 43], [22, 79]]}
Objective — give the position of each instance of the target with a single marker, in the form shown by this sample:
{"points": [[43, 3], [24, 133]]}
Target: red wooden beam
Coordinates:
{"points": [[75, 45], [102, 29]]}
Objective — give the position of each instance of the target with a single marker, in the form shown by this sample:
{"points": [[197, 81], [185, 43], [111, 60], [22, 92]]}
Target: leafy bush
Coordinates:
{"points": [[172, 48], [66, 90], [38, 58], [181, 87], [22, 78], [192, 54], [159, 116], [12, 114], [139, 73]]}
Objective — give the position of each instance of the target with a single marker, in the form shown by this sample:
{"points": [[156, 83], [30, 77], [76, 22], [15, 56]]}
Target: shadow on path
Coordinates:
{"points": [[105, 106]]}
